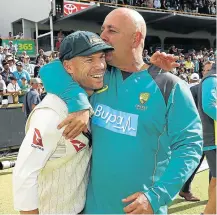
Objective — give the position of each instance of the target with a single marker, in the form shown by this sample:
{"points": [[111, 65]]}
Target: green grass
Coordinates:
{"points": [[179, 206], [200, 189]]}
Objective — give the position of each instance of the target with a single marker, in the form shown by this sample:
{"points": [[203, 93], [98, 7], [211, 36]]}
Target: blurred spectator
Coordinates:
{"points": [[13, 89], [58, 43], [157, 4], [25, 87], [201, 68], [60, 34], [184, 77], [150, 3], [212, 57], [20, 73], [19, 36], [2, 55], [173, 50], [11, 62], [40, 55], [53, 56], [21, 58], [200, 54], [190, 6], [2, 88], [2, 85], [32, 98], [6, 73], [12, 48], [194, 80], [47, 60], [196, 63], [10, 36], [189, 65], [5, 51], [24, 53], [146, 57], [37, 67], [0, 40], [27, 66], [181, 60], [206, 57], [213, 9]]}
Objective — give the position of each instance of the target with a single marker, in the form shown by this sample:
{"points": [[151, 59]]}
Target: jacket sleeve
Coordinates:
{"points": [[184, 132], [38, 145], [209, 97], [57, 81]]}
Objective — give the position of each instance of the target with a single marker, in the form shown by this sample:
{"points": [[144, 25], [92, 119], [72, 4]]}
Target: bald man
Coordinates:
{"points": [[147, 135]]}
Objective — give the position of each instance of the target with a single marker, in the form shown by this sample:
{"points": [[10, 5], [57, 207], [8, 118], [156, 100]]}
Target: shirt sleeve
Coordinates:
{"points": [[209, 97], [28, 76], [69, 91], [18, 87], [184, 130], [39, 143], [4, 85], [9, 88], [35, 99]]}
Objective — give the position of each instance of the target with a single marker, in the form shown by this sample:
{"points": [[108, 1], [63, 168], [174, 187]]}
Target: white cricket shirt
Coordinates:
{"points": [[51, 173]]}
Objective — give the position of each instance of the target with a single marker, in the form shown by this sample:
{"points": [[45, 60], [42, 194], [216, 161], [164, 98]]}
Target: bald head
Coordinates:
{"points": [[131, 19], [125, 30]]}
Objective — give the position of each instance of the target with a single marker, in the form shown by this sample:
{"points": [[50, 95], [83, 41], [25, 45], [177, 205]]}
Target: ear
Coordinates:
{"points": [[68, 66], [137, 37]]}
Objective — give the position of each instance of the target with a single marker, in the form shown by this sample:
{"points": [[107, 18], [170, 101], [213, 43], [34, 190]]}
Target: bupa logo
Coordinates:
{"points": [[114, 120]]}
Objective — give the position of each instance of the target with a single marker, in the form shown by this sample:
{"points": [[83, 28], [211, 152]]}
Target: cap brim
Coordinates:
{"points": [[97, 48]]}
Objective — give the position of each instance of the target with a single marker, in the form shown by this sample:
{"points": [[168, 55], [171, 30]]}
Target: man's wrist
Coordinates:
{"points": [[91, 112]]}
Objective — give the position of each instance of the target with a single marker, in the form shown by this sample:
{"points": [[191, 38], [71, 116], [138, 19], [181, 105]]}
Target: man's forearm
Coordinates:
{"points": [[30, 212]]}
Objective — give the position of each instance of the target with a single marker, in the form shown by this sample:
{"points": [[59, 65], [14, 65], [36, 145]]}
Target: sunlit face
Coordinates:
{"points": [[41, 52], [13, 82], [41, 62], [88, 71], [10, 62], [19, 68], [116, 32], [6, 66], [5, 51], [207, 68], [26, 60]]}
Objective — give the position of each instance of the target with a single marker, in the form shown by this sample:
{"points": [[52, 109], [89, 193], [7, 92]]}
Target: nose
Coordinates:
{"points": [[100, 65], [104, 36]]}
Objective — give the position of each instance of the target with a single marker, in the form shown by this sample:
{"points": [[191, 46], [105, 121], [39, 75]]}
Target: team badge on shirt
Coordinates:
{"points": [[37, 140], [143, 97]]}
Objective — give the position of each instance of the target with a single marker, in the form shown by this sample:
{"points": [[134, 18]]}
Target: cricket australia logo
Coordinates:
{"points": [[114, 120]]}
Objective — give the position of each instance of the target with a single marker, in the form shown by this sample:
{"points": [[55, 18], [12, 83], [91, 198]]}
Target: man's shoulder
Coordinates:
{"points": [[33, 92], [164, 80], [10, 86], [162, 76], [54, 103]]}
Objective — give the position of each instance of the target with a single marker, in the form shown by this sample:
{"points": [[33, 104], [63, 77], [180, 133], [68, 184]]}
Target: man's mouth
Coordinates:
{"points": [[97, 75]]}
